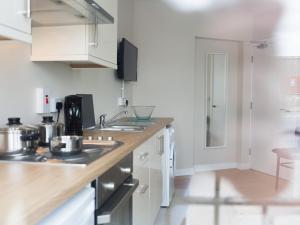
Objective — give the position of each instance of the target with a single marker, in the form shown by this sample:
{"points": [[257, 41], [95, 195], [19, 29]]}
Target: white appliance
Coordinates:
{"points": [[168, 166], [79, 210]]}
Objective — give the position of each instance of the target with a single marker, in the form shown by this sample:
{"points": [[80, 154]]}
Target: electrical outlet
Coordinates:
{"points": [[53, 102], [53, 105]]}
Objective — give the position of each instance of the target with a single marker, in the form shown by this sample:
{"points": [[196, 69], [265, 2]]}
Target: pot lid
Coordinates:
{"points": [[14, 121], [14, 125]]}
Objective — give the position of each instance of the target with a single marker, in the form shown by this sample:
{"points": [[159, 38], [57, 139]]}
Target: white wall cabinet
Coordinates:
{"points": [[15, 22], [80, 45], [147, 167]]}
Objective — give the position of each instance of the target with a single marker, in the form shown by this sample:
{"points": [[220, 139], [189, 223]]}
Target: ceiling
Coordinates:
{"points": [[265, 14]]}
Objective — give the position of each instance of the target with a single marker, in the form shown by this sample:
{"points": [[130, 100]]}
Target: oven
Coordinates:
{"points": [[114, 190]]}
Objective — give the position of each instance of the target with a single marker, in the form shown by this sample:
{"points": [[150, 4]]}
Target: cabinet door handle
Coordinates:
{"points": [[95, 43], [125, 170], [109, 186], [27, 11], [161, 145], [28, 14], [143, 156], [143, 189], [115, 203]]}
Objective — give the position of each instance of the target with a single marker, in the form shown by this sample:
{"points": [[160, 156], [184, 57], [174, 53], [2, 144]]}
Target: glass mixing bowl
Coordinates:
{"points": [[143, 112]]}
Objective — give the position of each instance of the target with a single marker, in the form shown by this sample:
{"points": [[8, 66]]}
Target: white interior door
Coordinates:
{"points": [[275, 112], [218, 112]]}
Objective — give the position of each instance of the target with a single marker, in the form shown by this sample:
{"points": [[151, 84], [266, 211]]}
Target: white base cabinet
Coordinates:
{"points": [[141, 197], [79, 210], [147, 168], [15, 22], [79, 45]]}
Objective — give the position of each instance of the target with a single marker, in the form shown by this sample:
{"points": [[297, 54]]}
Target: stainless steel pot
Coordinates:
{"points": [[66, 145], [17, 137], [49, 129]]}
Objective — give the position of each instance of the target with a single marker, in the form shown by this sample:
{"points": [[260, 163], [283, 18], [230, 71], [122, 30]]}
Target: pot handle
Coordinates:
{"points": [[30, 137], [59, 146]]}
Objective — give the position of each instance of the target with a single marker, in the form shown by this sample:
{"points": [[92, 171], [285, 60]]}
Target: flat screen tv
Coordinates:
{"points": [[127, 61]]}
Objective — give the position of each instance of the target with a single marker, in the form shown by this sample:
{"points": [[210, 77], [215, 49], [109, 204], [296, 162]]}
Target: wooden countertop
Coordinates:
{"points": [[29, 192]]}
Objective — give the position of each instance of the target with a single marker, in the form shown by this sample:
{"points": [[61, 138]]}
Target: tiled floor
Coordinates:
{"points": [[232, 197]]}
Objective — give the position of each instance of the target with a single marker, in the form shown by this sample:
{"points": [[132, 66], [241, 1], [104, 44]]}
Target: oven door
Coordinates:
{"points": [[117, 210]]}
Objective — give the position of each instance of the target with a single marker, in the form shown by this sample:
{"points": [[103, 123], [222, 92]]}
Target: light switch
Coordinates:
{"points": [[42, 101]]}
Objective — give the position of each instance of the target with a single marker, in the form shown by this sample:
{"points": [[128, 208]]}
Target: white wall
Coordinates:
{"points": [[166, 41], [19, 77], [125, 30]]}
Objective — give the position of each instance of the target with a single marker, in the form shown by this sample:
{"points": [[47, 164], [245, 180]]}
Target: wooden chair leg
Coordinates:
{"points": [[277, 173]]}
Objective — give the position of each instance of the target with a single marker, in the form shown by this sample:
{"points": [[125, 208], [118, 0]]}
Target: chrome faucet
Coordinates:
{"points": [[103, 123]]}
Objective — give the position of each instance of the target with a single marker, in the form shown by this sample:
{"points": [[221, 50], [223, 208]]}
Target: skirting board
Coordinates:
{"points": [[214, 167], [244, 166], [184, 172], [211, 167]]}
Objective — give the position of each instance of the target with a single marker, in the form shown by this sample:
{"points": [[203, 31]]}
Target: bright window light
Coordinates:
{"points": [[190, 5], [199, 5], [287, 34]]}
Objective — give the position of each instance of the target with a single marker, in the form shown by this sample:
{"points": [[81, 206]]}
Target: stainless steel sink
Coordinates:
{"points": [[134, 123], [125, 128]]}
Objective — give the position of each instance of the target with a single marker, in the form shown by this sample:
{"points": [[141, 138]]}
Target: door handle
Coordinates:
{"points": [[109, 186], [161, 145], [214, 106], [125, 170], [27, 11], [285, 110], [143, 156], [28, 14], [95, 43], [105, 214], [143, 189]]}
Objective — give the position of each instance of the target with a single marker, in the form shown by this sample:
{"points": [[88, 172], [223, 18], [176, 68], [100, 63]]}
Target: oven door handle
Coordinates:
{"points": [[116, 201]]}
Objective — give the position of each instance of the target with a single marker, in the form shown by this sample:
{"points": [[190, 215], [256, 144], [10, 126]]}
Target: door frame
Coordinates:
{"points": [[248, 104]]}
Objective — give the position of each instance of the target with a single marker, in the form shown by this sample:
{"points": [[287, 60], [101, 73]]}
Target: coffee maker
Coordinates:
{"points": [[79, 113]]}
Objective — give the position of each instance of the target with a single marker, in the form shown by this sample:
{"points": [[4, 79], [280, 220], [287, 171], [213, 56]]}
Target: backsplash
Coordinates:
{"points": [[19, 77]]}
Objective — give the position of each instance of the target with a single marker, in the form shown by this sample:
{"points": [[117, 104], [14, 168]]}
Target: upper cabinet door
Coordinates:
{"points": [[15, 20], [103, 38], [84, 46]]}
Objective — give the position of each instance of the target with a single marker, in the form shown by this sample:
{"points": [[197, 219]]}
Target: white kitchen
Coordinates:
{"points": [[157, 112]]}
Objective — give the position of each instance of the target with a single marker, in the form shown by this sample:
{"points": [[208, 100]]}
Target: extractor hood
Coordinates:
{"points": [[68, 12]]}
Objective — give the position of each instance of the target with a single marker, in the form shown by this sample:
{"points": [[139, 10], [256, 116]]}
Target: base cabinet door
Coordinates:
{"points": [[147, 167], [141, 197], [141, 202], [156, 182], [78, 210]]}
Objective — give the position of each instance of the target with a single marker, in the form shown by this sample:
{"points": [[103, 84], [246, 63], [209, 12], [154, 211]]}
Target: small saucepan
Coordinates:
{"points": [[66, 145]]}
